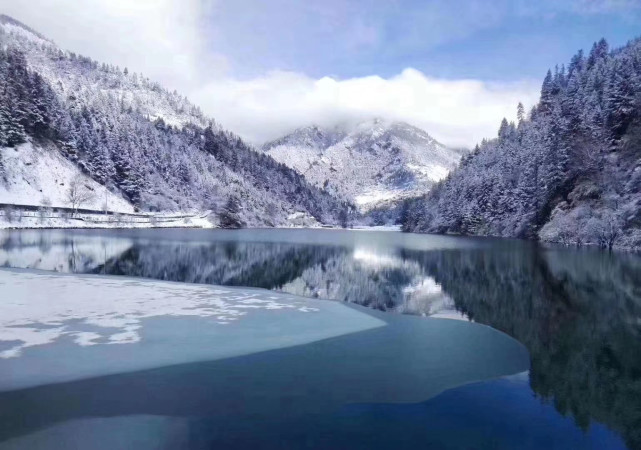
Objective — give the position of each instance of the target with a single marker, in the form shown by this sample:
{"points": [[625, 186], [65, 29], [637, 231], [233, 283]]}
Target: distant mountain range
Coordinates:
{"points": [[374, 164]]}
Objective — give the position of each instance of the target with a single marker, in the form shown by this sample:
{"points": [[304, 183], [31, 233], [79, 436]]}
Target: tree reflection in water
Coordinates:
{"points": [[577, 311]]}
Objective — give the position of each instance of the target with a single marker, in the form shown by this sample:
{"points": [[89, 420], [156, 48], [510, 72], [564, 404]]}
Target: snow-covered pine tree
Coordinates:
{"points": [[574, 161]]}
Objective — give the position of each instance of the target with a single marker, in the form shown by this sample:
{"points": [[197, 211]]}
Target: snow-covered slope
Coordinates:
{"points": [[376, 162], [40, 176], [106, 122], [61, 69]]}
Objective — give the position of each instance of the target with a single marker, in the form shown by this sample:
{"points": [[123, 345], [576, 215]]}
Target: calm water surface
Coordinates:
{"points": [[417, 382]]}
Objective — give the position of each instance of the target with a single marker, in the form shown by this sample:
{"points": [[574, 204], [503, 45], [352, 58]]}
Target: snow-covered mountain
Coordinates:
{"points": [[148, 146], [374, 163], [568, 172], [76, 75]]}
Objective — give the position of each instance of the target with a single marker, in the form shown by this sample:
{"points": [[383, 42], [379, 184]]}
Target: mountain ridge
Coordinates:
{"points": [[374, 163], [8, 20]]}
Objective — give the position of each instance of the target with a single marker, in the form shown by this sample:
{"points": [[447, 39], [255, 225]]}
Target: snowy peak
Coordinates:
{"points": [[377, 128], [371, 163], [382, 134], [312, 136]]}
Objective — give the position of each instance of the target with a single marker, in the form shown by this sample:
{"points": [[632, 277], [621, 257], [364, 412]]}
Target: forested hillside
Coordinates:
{"points": [[141, 140], [568, 172]]}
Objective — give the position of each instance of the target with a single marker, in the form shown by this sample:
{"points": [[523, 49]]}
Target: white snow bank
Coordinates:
{"points": [[301, 219], [432, 172], [375, 197], [39, 175], [19, 219]]}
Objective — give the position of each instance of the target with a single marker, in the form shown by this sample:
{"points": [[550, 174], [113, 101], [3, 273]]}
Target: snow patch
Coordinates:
{"points": [[433, 172], [17, 218], [113, 307], [375, 197], [38, 175]]}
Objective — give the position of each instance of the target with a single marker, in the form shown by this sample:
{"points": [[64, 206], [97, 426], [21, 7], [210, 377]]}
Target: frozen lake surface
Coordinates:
{"points": [[45, 317], [186, 350]]}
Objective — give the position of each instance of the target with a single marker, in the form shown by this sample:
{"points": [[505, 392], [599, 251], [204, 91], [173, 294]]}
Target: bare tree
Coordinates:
{"points": [[605, 230], [77, 194]]}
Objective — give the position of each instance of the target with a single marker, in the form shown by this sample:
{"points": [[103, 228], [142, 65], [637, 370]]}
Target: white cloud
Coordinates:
{"points": [[456, 112], [162, 38], [168, 41]]}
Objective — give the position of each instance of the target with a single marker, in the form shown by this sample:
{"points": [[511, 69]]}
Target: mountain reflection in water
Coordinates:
{"points": [[577, 311]]}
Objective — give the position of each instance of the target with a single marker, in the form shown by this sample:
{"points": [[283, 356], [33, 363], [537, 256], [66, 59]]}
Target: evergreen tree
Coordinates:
{"points": [[229, 215], [569, 173], [520, 113], [547, 93]]}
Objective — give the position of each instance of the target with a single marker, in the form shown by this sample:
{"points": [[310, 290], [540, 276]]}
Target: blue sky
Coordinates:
{"points": [[500, 40], [264, 67]]}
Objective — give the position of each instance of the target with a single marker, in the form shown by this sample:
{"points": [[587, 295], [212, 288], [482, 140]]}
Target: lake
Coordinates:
{"points": [[430, 342]]}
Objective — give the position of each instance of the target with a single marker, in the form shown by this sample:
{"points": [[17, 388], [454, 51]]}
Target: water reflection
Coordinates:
{"points": [[577, 312], [369, 274]]}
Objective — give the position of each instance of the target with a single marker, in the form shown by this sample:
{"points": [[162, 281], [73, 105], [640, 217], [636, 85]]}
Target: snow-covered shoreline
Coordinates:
{"points": [[35, 194], [16, 218], [43, 220], [38, 175]]}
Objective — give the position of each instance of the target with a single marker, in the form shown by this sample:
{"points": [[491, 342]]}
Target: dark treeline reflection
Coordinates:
{"points": [[577, 311], [265, 265]]}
